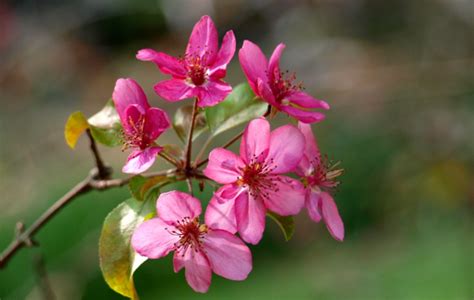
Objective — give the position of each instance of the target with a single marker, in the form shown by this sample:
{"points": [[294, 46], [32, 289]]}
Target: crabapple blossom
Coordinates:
{"points": [[200, 248]]}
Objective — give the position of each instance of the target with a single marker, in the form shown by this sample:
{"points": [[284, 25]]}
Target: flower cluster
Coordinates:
{"points": [[278, 171]]}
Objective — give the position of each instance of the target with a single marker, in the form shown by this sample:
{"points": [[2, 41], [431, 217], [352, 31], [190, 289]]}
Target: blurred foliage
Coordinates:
{"points": [[397, 74]]}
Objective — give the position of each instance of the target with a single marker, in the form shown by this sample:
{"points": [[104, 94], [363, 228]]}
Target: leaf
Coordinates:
{"points": [[239, 107], [106, 127], [182, 121], [118, 260], [141, 187], [286, 224], [76, 124]]}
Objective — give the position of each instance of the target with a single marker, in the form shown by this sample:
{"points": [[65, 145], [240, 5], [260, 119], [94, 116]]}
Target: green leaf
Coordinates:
{"points": [[76, 124], [106, 127], [182, 121], [286, 224], [118, 260], [239, 107], [141, 187]]}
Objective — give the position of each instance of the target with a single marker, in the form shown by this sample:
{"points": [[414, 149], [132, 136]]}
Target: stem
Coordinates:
{"points": [[189, 143], [103, 172], [168, 158], [190, 185], [226, 145]]}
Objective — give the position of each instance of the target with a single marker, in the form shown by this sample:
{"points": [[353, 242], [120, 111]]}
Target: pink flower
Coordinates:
{"points": [[318, 177], [198, 248], [253, 182], [199, 74], [269, 83], [142, 125]]}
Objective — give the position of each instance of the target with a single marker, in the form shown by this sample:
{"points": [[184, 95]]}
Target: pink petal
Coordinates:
{"points": [[311, 149], [253, 63], [212, 93], [152, 239], [127, 92], [250, 214], [286, 197], [286, 149], [307, 101], [166, 63], [156, 122], [274, 62], [225, 54], [302, 115], [228, 256], [265, 92], [174, 90], [220, 213], [224, 166], [312, 205], [203, 40], [197, 270], [141, 160], [331, 216], [178, 261], [255, 141], [174, 206]]}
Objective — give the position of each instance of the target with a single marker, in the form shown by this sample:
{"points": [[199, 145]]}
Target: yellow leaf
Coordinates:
{"points": [[76, 124]]}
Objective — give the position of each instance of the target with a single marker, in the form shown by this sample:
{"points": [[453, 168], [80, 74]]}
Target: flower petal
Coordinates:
{"points": [[173, 90], [156, 122], [220, 214], [331, 216], [127, 92], [302, 115], [228, 256], [141, 160], [197, 269], [174, 206], [255, 141], [224, 166], [212, 93], [265, 92], [253, 63], [312, 204], [311, 150], [132, 116], [307, 101], [286, 197], [166, 63], [274, 62], [286, 149], [225, 54], [152, 239], [250, 214], [203, 40]]}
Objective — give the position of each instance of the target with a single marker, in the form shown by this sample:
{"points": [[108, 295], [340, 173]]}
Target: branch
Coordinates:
{"points": [[104, 172]]}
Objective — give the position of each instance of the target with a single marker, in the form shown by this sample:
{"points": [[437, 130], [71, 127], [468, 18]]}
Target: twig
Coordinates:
{"points": [[190, 185], [168, 158], [104, 172], [189, 143]]}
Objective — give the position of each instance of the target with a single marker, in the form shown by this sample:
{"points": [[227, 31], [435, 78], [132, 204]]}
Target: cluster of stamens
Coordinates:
{"points": [[135, 136], [190, 234], [284, 84], [196, 68], [258, 177], [325, 172]]}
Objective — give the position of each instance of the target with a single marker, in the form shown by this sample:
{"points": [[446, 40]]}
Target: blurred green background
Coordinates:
{"points": [[398, 75]]}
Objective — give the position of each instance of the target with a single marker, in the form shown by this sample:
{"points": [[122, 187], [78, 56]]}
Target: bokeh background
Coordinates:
{"points": [[398, 75]]}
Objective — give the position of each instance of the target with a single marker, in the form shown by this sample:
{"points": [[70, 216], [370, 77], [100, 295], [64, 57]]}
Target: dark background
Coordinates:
{"points": [[398, 75]]}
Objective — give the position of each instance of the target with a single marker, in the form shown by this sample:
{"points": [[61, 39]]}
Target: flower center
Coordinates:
{"points": [[325, 173], [135, 135], [197, 68], [258, 177], [283, 85], [190, 234]]}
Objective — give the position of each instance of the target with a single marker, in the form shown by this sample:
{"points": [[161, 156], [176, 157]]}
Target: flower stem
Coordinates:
{"points": [[189, 143], [226, 145], [203, 149]]}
